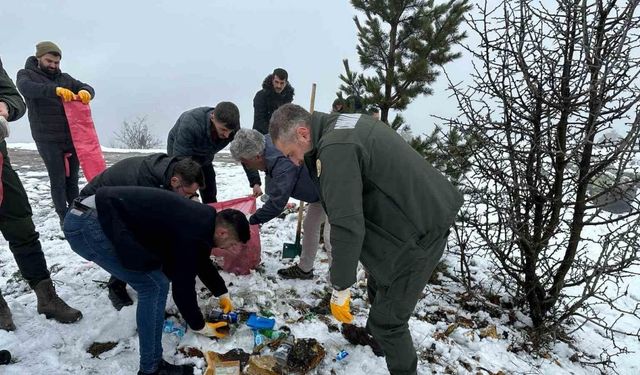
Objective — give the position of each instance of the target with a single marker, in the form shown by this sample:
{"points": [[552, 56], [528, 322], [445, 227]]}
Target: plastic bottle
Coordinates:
{"points": [[342, 355], [172, 327], [282, 353], [219, 316]]}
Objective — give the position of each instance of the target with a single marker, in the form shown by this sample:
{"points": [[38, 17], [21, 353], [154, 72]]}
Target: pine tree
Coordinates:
{"points": [[403, 42]]}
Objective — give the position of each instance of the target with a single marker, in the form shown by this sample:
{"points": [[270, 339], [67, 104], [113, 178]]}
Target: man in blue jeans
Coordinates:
{"points": [[149, 237]]}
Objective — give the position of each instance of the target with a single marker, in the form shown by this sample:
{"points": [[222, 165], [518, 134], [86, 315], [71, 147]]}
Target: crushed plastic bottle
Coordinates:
{"points": [[342, 355], [219, 316], [282, 353], [171, 326]]}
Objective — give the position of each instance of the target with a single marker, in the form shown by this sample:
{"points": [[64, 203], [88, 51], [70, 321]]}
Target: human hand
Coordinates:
{"points": [[85, 96], [4, 110], [211, 330], [4, 128], [66, 94], [340, 309], [257, 190], [225, 303]]}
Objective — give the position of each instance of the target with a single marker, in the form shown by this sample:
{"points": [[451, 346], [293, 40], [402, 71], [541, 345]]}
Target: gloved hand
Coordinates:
{"points": [[65, 94], [85, 96], [211, 329], [225, 303], [340, 300]]}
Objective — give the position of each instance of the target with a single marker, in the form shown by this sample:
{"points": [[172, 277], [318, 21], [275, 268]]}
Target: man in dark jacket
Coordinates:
{"points": [[200, 133], [388, 208], [149, 238], [275, 92], [17, 226], [256, 152], [180, 175], [44, 86]]}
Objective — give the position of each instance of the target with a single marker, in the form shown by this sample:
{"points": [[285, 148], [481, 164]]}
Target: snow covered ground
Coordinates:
{"points": [[450, 333]]}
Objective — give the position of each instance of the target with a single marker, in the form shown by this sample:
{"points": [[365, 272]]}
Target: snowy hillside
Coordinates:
{"points": [[452, 335]]}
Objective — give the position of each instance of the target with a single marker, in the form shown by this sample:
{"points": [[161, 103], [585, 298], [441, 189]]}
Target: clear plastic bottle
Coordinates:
{"points": [[282, 353]]}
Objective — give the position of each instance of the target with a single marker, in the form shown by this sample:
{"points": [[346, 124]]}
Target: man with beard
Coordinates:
{"points": [[44, 86], [275, 92], [17, 226]]}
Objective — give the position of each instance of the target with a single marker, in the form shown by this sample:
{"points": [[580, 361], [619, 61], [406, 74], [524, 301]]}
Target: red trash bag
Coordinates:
{"points": [[85, 139], [242, 259]]}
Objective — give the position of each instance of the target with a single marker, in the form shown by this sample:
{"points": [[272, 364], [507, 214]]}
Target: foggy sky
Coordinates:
{"points": [[162, 58]]}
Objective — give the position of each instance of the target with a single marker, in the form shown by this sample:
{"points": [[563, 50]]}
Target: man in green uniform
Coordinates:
{"points": [[388, 209]]}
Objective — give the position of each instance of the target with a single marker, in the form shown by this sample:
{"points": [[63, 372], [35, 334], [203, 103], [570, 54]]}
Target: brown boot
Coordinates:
{"points": [[53, 306], [6, 320]]}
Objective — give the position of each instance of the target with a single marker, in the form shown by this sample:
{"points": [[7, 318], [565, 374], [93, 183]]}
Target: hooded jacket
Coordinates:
{"points": [[10, 95], [267, 101], [287, 180], [153, 170], [153, 229], [379, 195], [46, 114]]}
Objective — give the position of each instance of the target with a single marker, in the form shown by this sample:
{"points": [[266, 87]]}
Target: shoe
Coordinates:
{"points": [[6, 319], [167, 368], [118, 293], [52, 306], [295, 272]]}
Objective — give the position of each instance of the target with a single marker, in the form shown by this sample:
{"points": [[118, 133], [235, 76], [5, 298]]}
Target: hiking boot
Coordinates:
{"points": [[6, 320], [167, 368], [52, 306], [295, 272], [118, 293]]}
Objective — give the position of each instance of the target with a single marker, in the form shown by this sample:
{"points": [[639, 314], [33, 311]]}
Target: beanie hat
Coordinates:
{"points": [[43, 48]]}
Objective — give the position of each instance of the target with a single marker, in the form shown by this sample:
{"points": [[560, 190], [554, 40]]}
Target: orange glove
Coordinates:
{"points": [[66, 94], [340, 305], [211, 330], [225, 303], [85, 96]]}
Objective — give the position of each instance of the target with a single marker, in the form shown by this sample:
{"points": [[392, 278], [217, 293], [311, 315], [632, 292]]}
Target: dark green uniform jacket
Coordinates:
{"points": [[9, 94], [379, 195]]}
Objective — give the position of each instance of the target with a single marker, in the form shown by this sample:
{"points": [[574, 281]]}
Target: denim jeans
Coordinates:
{"points": [[85, 235]]}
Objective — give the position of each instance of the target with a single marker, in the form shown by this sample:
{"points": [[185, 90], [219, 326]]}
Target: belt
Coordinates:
{"points": [[77, 205]]}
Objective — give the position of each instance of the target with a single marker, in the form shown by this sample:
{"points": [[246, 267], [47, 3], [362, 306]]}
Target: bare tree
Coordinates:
{"points": [[136, 135], [547, 85]]}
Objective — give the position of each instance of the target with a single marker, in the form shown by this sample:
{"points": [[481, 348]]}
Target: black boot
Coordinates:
{"points": [[118, 293], [6, 320], [167, 368]]}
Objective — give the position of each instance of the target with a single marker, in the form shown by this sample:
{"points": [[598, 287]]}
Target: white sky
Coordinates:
{"points": [[162, 58]]}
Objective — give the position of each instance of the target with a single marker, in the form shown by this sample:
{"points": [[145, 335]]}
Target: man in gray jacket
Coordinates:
{"points": [[388, 207], [200, 133]]}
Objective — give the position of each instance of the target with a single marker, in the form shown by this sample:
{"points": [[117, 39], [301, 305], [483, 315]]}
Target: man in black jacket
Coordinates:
{"points": [[17, 226], [180, 175], [275, 92], [149, 237], [43, 85], [200, 133]]}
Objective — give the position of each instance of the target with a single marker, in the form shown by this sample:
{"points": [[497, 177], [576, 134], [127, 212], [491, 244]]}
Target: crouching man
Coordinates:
{"points": [[388, 208], [149, 237]]}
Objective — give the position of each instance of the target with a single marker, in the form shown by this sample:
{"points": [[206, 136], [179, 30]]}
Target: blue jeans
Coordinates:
{"points": [[85, 235]]}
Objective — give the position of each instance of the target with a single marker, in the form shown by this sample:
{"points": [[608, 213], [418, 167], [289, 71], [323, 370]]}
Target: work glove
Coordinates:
{"points": [[340, 300], [225, 303], [65, 94], [211, 330], [85, 96]]}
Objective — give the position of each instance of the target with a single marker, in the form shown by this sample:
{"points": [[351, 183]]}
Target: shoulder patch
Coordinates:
{"points": [[347, 121]]}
